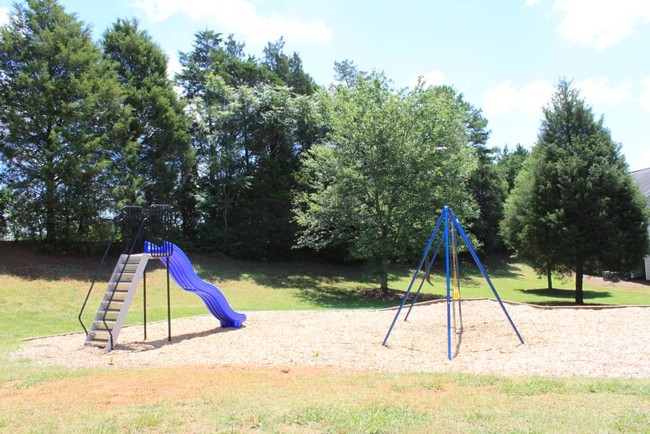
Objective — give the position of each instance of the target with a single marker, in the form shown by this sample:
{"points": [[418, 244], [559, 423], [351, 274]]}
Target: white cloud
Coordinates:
{"points": [[505, 98], [431, 78], [644, 98], [238, 17], [4, 15], [173, 65], [599, 23], [597, 91]]}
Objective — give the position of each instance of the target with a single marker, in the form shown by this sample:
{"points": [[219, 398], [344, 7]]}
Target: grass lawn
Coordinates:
{"points": [[41, 294]]}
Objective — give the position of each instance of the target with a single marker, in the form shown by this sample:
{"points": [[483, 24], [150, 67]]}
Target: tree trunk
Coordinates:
{"points": [[384, 282], [382, 271], [549, 278], [49, 200], [579, 276]]}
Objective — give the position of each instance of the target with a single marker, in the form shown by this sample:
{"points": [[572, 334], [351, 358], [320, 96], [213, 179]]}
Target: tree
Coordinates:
{"points": [[518, 229], [488, 189], [4, 208], [161, 157], [288, 70], [391, 161], [63, 123], [210, 74], [510, 162], [248, 128], [580, 208]]}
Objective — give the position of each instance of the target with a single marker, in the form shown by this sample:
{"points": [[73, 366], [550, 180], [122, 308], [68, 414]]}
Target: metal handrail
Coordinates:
{"points": [[145, 216], [99, 267], [119, 278]]}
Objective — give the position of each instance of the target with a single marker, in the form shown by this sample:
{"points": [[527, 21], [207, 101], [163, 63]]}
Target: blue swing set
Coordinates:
{"points": [[450, 230]]}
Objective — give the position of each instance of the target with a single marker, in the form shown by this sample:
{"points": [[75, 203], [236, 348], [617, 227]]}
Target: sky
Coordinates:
{"points": [[504, 56]]}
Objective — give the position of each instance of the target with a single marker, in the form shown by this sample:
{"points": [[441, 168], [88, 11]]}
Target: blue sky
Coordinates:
{"points": [[505, 56]]}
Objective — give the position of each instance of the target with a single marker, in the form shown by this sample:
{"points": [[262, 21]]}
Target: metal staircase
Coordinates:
{"points": [[117, 299]]}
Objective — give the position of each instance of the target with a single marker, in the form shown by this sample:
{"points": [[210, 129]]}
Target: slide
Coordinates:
{"points": [[182, 271]]}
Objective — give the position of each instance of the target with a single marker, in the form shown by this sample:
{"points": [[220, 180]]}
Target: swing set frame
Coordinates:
{"points": [[451, 229]]}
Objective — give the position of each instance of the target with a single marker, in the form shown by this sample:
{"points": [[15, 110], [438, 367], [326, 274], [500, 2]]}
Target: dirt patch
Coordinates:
{"points": [[558, 342]]}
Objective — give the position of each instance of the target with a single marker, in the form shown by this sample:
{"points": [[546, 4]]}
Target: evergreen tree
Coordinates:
{"points": [[4, 209], [488, 189], [161, 163], [288, 70], [581, 208], [509, 163], [63, 123]]}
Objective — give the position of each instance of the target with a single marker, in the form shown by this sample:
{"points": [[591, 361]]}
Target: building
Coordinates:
{"points": [[642, 177]]}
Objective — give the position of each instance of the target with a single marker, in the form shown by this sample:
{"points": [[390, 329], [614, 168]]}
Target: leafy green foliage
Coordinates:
{"points": [[489, 191], [576, 207], [159, 159], [510, 163], [391, 160], [249, 127], [63, 123]]}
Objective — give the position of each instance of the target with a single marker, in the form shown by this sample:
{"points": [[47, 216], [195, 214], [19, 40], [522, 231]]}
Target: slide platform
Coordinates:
{"points": [[182, 271]]}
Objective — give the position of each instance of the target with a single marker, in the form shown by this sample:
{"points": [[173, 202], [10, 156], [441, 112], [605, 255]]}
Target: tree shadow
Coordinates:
{"points": [[495, 265], [332, 297], [27, 261], [563, 294]]}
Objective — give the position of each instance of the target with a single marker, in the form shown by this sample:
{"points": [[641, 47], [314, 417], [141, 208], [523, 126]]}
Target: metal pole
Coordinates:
{"points": [[457, 276], [448, 280], [169, 310], [417, 270], [461, 231], [144, 301], [426, 272]]}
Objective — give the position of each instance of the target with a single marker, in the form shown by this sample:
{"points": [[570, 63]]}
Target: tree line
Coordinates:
{"points": [[261, 162]]}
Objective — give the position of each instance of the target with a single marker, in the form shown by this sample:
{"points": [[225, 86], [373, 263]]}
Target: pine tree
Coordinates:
{"points": [[62, 123], [581, 209], [161, 161]]}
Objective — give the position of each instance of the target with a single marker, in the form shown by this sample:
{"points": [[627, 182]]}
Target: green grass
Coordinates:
{"points": [[245, 400], [518, 282], [42, 296]]}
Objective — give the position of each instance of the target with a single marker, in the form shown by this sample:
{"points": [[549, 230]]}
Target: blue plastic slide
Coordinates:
{"points": [[182, 271]]}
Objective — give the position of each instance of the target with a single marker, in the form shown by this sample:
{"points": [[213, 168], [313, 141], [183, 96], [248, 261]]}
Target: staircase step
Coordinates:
{"points": [[106, 313], [99, 325], [109, 311], [117, 296], [120, 286], [97, 343], [99, 335], [133, 260], [126, 276]]}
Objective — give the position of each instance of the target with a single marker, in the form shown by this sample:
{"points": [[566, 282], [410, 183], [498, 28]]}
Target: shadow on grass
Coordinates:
{"points": [[563, 294], [496, 266], [28, 262], [330, 297]]}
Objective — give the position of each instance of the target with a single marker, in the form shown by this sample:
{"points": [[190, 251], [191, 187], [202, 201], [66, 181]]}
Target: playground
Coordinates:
{"points": [[476, 335], [566, 342], [309, 355]]}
